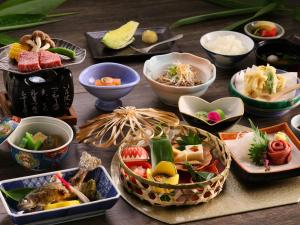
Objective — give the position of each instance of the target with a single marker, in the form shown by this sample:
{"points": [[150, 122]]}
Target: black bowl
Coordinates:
{"points": [[281, 48]]}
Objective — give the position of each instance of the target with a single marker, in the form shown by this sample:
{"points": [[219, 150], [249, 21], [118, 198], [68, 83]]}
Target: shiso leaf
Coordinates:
{"points": [[259, 146], [190, 139], [6, 39], [198, 176]]}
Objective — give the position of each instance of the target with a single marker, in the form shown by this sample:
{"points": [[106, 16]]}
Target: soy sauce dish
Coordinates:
{"points": [[232, 107]]}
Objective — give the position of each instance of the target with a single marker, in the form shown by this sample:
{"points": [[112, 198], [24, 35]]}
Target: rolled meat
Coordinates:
{"points": [[279, 152]]}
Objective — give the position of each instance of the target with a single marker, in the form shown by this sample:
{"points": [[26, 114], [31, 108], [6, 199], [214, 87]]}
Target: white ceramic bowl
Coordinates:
{"points": [[156, 65], [226, 61]]}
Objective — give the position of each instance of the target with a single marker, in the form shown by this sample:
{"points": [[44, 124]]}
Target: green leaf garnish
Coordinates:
{"points": [[16, 194], [172, 70], [198, 176], [259, 146], [190, 139]]}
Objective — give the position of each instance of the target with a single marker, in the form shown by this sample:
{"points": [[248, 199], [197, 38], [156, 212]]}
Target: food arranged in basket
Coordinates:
{"points": [[185, 166]]}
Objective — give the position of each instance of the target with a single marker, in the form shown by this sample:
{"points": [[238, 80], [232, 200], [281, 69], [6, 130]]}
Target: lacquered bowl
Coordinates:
{"points": [[109, 96], [265, 108], [226, 61], [40, 159], [157, 65], [275, 47], [232, 107]]}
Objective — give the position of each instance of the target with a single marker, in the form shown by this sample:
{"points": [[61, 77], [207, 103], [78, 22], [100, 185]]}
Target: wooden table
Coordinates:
{"points": [[107, 14]]}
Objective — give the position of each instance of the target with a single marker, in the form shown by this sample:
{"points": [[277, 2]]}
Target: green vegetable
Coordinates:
{"points": [[16, 194], [259, 146], [198, 176], [190, 139], [161, 150], [202, 115], [30, 141], [63, 51], [270, 82], [172, 70], [121, 37], [23, 143]]}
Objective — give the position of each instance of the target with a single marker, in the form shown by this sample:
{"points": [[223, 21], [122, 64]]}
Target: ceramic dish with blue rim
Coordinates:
{"points": [[105, 188], [232, 107], [7, 64], [282, 105]]}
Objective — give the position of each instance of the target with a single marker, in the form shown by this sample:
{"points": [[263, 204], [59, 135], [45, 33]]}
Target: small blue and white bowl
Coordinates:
{"points": [[40, 159], [105, 188], [109, 96], [223, 60]]}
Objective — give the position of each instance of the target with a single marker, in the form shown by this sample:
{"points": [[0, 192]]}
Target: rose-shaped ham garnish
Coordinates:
{"points": [[279, 152]]}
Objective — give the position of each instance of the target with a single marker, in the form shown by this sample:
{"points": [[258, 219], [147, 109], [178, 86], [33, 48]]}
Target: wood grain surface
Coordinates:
{"points": [[107, 14]]}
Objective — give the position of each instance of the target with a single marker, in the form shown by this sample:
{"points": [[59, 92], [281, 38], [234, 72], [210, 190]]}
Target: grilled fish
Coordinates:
{"points": [[55, 191]]}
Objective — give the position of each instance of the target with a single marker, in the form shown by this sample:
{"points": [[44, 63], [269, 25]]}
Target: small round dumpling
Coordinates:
{"points": [[149, 37]]}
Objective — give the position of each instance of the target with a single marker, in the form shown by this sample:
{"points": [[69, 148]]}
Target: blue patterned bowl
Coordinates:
{"points": [[105, 188], [108, 96], [40, 159]]}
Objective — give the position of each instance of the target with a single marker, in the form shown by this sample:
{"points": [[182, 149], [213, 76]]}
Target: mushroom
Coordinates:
{"points": [[27, 40], [48, 43], [38, 41]]}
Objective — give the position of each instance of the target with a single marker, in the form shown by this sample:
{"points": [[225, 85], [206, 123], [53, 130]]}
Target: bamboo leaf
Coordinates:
{"points": [[61, 14], [267, 9], [239, 3], [29, 6], [297, 13], [16, 194], [16, 19], [6, 39], [211, 16], [19, 26]]}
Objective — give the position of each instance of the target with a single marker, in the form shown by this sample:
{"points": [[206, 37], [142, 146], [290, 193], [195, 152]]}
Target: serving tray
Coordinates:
{"points": [[99, 51], [235, 198]]}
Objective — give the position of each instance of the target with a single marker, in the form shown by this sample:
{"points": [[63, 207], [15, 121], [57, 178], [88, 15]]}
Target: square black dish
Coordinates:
{"points": [[99, 51]]}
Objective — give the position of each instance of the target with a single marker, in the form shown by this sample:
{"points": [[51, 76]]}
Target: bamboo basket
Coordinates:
{"points": [[180, 194]]}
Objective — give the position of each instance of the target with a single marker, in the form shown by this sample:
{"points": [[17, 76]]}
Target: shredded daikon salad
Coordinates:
{"points": [[180, 74], [226, 45]]}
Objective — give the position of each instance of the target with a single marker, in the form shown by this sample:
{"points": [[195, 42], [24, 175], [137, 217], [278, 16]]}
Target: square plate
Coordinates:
{"points": [[107, 190], [239, 152], [99, 51]]}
